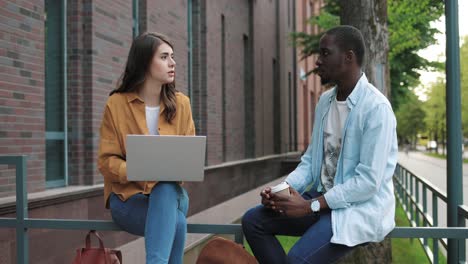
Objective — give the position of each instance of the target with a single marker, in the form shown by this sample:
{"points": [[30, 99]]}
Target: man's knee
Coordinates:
{"points": [[295, 256], [250, 218]]}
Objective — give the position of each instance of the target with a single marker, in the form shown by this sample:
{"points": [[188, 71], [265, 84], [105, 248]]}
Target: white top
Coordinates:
{"points": [[332, 134], [152, 117]]}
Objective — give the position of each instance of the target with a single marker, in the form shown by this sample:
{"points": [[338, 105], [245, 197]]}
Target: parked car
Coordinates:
{"points": [[431, 145]]}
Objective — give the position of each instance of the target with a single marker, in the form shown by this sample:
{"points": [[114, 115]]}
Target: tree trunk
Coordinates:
{"points": [[370, 16], [372, 253]]}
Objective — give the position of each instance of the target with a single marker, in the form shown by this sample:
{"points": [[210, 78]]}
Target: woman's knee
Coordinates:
{"points": [[181, 224], [166, 189]]}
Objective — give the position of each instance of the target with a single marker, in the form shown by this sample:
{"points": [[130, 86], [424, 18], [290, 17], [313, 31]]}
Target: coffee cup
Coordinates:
{"points": [[281, 189]]}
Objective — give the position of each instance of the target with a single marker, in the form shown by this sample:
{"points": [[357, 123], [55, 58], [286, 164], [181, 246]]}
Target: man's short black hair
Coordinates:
{"points": [[349, 38]]}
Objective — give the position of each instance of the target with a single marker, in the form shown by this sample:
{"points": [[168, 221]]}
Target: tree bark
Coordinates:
{"points": [[372, 253], [370, 16]]}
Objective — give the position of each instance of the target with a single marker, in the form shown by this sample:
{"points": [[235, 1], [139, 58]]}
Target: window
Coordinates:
{"points": [[223, 84], [55, 93], [276, 108], [136, 17], [249, 128]]}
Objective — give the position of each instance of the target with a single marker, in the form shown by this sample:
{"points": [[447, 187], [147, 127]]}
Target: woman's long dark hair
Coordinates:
{"points": [[141, 54]]}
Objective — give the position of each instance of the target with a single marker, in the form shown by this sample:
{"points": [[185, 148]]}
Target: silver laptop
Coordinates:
{"points": [[165, 158]]}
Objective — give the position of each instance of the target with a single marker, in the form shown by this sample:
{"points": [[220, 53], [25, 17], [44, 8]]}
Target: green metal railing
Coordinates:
{"points": [[412, 192], [22, 222]]}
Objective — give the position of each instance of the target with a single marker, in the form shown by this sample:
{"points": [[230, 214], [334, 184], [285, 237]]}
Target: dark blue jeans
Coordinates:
{"points": [[159, 217], [261, 224]]}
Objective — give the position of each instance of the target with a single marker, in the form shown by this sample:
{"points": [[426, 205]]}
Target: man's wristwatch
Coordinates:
{"points": [[315, 206]]}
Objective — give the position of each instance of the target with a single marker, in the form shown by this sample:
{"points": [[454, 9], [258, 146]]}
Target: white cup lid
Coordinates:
{"points": [[279, 187]]}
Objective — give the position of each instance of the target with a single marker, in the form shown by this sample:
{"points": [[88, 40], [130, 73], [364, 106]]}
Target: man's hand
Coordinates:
{"points": [[292, 206], [265, 194]]}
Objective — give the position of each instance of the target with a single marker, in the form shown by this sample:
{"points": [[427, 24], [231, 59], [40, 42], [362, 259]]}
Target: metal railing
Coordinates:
{"points": [[412, 192], [22, 222]]}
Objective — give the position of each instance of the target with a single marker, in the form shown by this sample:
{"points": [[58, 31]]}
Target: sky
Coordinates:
{"points": [[437, 52]]}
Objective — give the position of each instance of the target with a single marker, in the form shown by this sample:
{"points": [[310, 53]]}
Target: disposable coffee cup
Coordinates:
{"points": [[281, 189]]}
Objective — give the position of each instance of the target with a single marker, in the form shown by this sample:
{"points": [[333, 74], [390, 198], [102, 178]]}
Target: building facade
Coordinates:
{"points": [[308, 88]]}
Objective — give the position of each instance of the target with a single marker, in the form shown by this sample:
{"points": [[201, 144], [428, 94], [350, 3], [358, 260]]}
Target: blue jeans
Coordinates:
{"points": [[159, 217], [261, 224]]}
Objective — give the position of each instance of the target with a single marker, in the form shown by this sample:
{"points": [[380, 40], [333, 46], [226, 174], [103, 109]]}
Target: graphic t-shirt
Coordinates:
{"points": [[332, 133]]}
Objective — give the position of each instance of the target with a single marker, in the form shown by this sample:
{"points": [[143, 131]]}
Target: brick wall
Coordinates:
{"points": [[286, 72], [79, 73], [100, 34], [22, 116], [265, 52], [308, 90], [199, 80], [111, 40], [170, 19], [99, 37], [268, 44], [236, 26], [249, 121]]}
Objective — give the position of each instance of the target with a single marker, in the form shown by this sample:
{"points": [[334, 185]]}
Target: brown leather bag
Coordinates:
{"points": [[101, 255], [222, 251]]}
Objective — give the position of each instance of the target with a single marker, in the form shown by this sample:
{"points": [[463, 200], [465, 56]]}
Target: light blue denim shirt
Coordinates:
{"points": [[362, 198]]}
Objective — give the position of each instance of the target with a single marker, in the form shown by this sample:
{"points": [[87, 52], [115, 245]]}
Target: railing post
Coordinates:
{"points": [[461, 242], [22, 241], [406, 188], [411, 196], [239, 237], [435, 241], [453, 124], [417, 200], [424, 193]]}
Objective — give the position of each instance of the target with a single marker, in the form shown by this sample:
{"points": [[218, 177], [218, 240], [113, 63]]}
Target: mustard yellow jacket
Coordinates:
{"points": [[125, 114]]}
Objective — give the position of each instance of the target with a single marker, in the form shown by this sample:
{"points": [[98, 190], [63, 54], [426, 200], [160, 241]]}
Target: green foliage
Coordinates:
{"points": [[464, 84], [406, 250], [435, 110], [410, 118], [327, 19], [434, 107], [410, 31]]}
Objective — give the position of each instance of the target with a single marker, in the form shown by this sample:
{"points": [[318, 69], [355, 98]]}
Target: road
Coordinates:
{"points": [[433, 170]]}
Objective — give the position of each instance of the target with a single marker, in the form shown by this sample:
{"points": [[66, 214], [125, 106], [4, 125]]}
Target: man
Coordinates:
{"points": [[345, 176]]}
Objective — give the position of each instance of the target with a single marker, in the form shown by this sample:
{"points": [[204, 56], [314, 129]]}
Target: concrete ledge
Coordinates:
{"points": [[228, 212], [53, 197]]}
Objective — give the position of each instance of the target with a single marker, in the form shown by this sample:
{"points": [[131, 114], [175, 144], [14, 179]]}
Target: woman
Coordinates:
{"points": [[146, 102]]}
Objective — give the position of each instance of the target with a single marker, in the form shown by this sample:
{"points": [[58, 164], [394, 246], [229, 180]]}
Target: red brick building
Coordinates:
{"points": [[60, 59], [309, 88]]}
